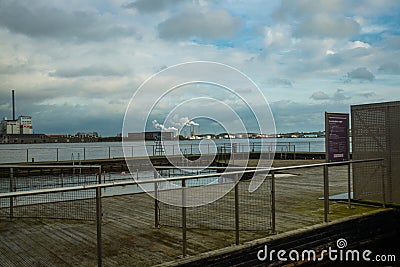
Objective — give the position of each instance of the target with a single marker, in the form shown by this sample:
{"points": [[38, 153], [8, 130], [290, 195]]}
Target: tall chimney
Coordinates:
{"points": [[13, 104]]}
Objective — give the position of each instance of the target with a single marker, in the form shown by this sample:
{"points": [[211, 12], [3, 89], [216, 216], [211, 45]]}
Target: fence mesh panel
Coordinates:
{"points": [[375, 134], [79, 205], [254, 207]]}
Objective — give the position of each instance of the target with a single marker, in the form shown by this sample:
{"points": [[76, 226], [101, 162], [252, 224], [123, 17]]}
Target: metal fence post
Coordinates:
{"points": [[294, 152], [57, 153], [98, 221], [237, 229], [27, 155], [326, 193], [273, 207], [349, 185], [184, 237], [156, 207], [12, 189]]}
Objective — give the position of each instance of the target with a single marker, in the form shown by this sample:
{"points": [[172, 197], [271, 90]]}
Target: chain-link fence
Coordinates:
{"points": [[77, 205]]}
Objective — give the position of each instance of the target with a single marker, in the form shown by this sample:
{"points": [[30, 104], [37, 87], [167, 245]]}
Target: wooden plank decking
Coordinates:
{"points": [[129, 236]]}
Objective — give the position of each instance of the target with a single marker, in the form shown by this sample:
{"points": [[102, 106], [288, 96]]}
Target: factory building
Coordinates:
{"points": [[18, 130], [23, 125], [9, 126]]}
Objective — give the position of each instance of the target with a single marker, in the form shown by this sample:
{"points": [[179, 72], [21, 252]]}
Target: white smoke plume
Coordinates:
{"points": [[191, 123], [162, 127], [183, 121]]}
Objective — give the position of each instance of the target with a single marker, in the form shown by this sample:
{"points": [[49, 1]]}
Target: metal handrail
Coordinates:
{"points": [[170, 179], [38, 166]]}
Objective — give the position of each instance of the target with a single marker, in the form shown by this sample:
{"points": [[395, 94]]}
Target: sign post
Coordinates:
{"points": [[337, 137], [337, 144]]}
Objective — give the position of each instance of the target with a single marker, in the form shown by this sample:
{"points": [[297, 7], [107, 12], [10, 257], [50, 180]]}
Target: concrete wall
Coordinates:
{"points": [[372, 232]]}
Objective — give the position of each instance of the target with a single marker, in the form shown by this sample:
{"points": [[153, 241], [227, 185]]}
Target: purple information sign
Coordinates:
{"points": [[337, 136]]}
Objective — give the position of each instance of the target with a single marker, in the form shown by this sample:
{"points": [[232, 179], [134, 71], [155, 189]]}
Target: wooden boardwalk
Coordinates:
{"points": [[129, 236]]}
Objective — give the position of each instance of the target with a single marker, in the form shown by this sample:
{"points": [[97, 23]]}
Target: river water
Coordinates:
{"points": [[15, 153]]}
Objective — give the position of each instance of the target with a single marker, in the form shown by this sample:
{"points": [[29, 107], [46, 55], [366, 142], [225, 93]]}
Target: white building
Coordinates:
{"points": [[23, 125], [9, 126]]}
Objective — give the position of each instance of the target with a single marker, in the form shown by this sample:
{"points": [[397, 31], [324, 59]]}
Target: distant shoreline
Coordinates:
{"points": [[34, 139]]}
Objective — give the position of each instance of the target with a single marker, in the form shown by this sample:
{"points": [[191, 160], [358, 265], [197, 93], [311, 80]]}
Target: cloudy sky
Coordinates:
{"points": [[74, 65]]}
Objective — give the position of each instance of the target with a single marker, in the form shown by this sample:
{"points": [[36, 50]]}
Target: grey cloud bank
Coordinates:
{"points": [[75, 64]]}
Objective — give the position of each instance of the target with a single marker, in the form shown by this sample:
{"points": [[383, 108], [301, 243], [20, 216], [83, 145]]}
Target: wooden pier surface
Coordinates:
{"points": [[129, 236]]}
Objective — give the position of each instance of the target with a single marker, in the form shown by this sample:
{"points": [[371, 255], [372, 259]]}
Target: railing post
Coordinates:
{"points": [[237, 225], [109, 152], [156, 204], [294, 152], [184, 237], [12, 189], [273, 206], [27, 155], [326, 193], [349, 185], [84, 153], [98, 221], [57, 154]]}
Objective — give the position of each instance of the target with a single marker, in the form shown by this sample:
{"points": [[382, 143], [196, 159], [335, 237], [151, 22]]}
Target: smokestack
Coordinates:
{"points": [[13, 104]]}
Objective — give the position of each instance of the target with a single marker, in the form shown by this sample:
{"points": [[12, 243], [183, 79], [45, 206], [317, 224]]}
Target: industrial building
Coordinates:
{"points": [[18, 130], [22, 125]]}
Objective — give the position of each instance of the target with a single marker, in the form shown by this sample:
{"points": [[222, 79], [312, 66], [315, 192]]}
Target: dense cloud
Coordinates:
{"points": [[319, 95], [327, 25], [75, 64], [217, 24], [362, 74], [51, 22], [95, 70], [152, 6], [338, 96]]}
